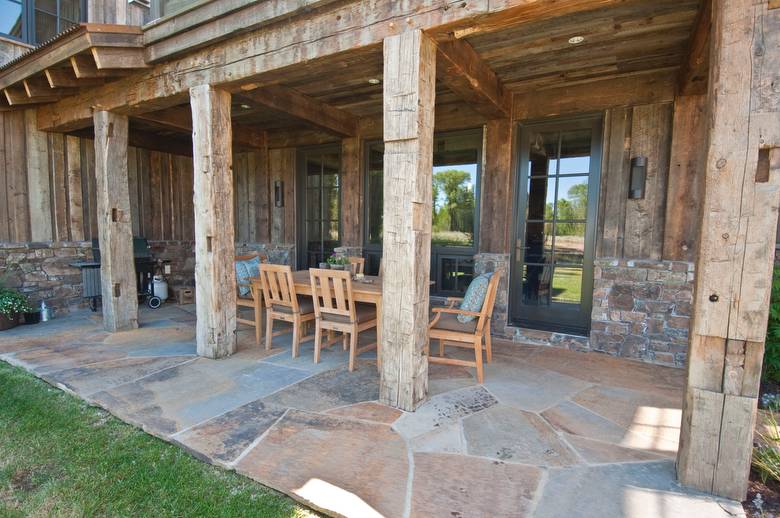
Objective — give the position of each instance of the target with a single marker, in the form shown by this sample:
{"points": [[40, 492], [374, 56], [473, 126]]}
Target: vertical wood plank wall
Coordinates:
{"points": [[160, 190]]}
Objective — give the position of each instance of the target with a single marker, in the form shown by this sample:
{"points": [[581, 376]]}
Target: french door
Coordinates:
{"points": [[555, 225], [319, 203]]}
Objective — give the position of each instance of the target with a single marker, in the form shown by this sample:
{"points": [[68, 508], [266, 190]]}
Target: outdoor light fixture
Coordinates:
{"points": [[574, 40], [278, 193], [374, 81], [636, 186]]}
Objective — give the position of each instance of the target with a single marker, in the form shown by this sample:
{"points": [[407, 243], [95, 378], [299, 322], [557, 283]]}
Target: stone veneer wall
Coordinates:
{"points": [[42, 271], [641, 310]]}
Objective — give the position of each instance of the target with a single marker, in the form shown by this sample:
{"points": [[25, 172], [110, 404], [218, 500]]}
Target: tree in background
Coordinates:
{"points": [[456, 212]]}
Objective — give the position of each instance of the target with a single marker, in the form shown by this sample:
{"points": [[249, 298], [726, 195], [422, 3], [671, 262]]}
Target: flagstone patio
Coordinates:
{"points": [[551, 432]]}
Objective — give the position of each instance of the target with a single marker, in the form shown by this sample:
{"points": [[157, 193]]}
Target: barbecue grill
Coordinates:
{"points": [[144, 272]]}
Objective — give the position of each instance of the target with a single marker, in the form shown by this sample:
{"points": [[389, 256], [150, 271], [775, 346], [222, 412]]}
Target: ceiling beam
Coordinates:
{"points": [[179, 118], [65, 77], [305, 108], [38, 86], [16, 96], [694, 73], [118, 58], [84, 67], [459, 66]]}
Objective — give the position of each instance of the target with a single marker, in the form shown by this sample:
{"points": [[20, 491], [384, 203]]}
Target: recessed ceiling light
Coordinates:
{"points": [[245, 106], [374, 81], [574, 40]]}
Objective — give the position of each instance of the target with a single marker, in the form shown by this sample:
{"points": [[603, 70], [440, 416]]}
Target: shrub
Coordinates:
{"points": [[12, 302], [771, 370], [766, 456]]}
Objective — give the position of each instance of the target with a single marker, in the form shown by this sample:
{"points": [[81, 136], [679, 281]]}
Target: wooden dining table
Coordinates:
{"points": [[368, 290]]}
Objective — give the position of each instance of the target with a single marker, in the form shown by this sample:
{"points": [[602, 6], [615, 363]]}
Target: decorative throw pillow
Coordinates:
{"points": [[245, 270], [475, 296]]}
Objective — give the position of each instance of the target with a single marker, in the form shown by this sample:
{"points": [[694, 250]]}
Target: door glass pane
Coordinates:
{"points": [[536, 284], [567, 285], [575, 152], [543, 153], [572, 197], [457, 273], [11, 18], [539, 243], [375, 192], [541, 197], [45, 26], [322, 205], [50, 6], [569, 242], [70, 10]]}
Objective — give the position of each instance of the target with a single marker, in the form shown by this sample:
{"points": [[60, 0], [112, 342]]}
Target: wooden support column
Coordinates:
{"points": [[352, 193], [215, 276], [409, 97], [496, 194], [735, 251], [117, 269], [38, 181]]}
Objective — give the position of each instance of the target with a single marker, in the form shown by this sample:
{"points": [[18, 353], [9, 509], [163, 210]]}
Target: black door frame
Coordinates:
{"points": [[300, 195], [557, 316], [373, 251]]}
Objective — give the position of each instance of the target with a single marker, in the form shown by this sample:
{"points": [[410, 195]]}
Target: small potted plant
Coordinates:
{"points": [[337, 262], [12, 304], [324, 265]]}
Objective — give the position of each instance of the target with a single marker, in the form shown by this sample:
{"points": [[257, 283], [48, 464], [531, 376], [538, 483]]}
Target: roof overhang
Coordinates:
{"points": [[83, 56]]}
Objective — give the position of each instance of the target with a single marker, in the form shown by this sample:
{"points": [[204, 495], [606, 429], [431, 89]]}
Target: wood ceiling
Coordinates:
{"points": [[636, 37]]}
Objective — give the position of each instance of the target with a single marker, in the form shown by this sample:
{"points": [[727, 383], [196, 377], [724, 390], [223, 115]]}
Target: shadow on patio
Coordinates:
{"points": [[551, 432]]}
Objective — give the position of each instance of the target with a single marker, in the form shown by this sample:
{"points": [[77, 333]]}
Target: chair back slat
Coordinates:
{"points": [[358, 264], [278, 286], [332, 293], [263, 257]]}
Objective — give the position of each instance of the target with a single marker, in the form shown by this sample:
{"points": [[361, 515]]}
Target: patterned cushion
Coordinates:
{"points": [[474, 297], [245, 270]]}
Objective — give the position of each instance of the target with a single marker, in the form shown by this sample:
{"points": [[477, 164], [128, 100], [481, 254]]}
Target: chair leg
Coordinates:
{"points": [[317, 342], [258, 324], [478, 358], [269, 330], [296, 336], [353, 339], [488, 346]]}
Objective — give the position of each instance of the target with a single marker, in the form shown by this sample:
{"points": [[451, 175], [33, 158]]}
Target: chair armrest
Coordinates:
{"points": [[457, 312]]}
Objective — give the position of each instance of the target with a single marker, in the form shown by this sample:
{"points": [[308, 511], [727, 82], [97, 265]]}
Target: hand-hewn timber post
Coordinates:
{"points": [[735, 252], [215, 276], [409, 96], [115, 231]]}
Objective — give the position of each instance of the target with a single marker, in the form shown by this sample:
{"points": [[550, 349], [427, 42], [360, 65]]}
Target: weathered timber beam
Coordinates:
{"points": [[118, 58], [65, 77], [39, 87], [466, 74], [84, 67], [17, 96], [693, 74], [305, 108], [180, 119]]}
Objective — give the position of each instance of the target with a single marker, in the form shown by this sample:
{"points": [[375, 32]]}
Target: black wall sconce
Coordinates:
{"points": [[636, 186], [278, 193]]}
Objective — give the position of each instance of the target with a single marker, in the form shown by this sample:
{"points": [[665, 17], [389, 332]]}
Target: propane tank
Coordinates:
{"points": [[160, 287]]}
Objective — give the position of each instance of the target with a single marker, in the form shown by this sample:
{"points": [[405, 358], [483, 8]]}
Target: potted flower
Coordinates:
{"points": [[337, 262], [12, 304]]}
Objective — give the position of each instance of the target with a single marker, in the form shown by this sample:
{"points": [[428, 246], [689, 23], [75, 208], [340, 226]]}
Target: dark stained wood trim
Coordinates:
{"points": [[694, 72]]}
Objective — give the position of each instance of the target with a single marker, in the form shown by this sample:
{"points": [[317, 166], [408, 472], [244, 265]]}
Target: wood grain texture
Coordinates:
{"points": [[614, 182], [351, 192], [215, 277], [644, 219], [75, 202], [686, 178], [59, 187], [497, 187], [38, 181], [117, 269], [409, 95], [281, 167], [736, 248]]}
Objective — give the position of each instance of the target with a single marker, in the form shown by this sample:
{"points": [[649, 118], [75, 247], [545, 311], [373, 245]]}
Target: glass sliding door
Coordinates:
{"points": [[319, 202], [552, 268], [456, 169]]}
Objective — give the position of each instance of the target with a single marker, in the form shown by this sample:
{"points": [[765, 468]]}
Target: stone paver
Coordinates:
{"points": [[449, 486], [551, 433], [352, 467]]}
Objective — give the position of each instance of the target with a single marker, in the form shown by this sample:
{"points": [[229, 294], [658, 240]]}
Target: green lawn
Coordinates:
{"points": [[567, 285], [61, 457]]}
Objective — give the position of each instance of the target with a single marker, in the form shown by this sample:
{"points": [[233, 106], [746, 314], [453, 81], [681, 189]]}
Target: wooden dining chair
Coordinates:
{"points": [[448, 330], [282, 303], [336, 310], [358, 264], [252, 300]]}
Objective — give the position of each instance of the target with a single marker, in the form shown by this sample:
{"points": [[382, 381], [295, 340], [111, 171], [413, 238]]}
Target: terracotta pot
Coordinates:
{"points": [[8, 323]]}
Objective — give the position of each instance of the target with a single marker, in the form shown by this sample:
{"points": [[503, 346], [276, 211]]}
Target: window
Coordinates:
{"points": [[162, 8], [36, 21]]}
